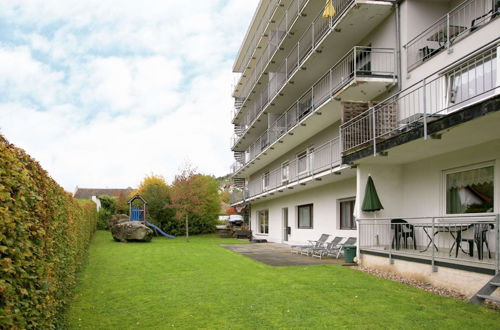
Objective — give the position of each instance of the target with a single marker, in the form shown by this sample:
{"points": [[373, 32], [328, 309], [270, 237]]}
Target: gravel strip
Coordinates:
{"points": [[426, 286]]}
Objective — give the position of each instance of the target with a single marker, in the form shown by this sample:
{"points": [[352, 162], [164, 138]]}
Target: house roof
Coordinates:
{"points": [[87, 193]]}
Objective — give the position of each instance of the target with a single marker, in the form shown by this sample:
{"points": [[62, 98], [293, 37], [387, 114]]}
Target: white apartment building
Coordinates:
{"points": [[406, 92]]}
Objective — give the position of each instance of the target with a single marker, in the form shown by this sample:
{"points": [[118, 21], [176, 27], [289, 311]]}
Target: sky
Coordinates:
{"points": [[105, 92]]}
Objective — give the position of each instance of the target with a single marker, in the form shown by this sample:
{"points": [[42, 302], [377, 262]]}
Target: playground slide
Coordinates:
{"points": [[159, 230]]}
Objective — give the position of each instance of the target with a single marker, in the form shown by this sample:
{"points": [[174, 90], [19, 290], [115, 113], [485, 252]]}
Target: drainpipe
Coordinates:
{"points": [[398, 44]]}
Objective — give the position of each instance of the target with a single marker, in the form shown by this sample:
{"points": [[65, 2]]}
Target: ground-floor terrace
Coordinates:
{"points": [[440, 199]]}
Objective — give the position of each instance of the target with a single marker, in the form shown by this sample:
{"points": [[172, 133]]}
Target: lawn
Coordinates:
{"points": [[171, 283]]}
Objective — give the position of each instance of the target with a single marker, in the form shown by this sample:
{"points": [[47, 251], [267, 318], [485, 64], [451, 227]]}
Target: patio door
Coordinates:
{"points": [[286, 229]]}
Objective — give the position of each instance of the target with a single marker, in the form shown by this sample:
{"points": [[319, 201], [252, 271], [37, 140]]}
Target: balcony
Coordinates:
{"points": [[365, 15], [362, 74], [466, 82], [471, 241], [452, 27], [325, 158], [238, 196], [290, 77], [281, 29]]}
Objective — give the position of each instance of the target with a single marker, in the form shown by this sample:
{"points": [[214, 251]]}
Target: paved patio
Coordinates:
{"points": [[274, 254]]}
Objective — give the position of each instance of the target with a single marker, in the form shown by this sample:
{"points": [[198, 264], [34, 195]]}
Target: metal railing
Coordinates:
{"points": [[238, 196], [457, 23], [462, 239], [276, 36], [324, 157], [358, 62], [442, 93], [309, 40]]}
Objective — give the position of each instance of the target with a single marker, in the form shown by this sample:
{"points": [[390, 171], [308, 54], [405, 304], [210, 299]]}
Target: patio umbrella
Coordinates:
{"points": [[329, 10], [371, 202]]}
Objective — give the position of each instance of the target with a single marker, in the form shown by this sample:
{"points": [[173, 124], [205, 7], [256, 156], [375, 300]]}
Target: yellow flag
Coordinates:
{"points": [[329, 10]]}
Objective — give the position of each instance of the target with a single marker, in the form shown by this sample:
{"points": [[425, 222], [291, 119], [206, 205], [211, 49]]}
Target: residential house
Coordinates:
{"points": [[403, 91]]}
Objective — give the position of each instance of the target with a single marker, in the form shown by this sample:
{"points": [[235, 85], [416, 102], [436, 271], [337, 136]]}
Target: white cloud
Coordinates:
{"points": [[105, 92]]}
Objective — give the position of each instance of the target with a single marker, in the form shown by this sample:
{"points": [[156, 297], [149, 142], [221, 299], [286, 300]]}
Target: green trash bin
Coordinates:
{"points": [[349, 253]]}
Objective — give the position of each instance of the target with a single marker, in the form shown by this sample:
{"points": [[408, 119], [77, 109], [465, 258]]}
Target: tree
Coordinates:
{"points": [[155, 190], [196, 196]]}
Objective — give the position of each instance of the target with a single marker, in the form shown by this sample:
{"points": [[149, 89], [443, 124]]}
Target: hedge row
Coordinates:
{"points": [[44, 235]]}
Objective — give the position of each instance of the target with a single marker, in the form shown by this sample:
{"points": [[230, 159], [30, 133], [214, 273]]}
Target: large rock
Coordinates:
{"points": [[117, 218], [132, 231]]}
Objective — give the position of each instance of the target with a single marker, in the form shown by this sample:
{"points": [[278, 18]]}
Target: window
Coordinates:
{"points": [[305, 160], [346, 215], [285, 172], [265, 181], [263, 221], [470, 191], [305, 216], [472, 79]]}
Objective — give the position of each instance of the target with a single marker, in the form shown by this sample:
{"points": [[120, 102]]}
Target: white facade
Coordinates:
{"points": [[403, 91]]}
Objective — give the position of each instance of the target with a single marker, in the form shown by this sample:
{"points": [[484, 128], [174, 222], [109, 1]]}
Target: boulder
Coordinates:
{"points": [[131, 231], [117, 218]]}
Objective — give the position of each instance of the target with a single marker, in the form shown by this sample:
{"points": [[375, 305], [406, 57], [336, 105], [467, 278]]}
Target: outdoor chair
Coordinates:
{"points": [[480, 239], [323, 251], [320, 242], [340, 247], [402, 231], [476, 22], [427, 52]]}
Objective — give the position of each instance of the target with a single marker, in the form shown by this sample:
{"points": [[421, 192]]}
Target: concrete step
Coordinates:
{"points": [[484, 296]]}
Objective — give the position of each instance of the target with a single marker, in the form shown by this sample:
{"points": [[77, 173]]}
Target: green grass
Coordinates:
{"points": [[171, 283]]}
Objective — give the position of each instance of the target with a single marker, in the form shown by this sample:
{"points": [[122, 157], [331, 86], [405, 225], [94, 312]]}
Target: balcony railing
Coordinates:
{"points": [[325, 157], [258, 34], [276, 36], [470, 240], [369, 62], [456, 24], [237, 196], [306, 44], [460, 85]]}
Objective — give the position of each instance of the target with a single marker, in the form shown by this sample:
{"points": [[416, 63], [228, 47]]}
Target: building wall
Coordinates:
{"points": [[417, 189], [325, 213]]}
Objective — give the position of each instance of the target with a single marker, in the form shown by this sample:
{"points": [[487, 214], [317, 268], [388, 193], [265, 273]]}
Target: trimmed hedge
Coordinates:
{"points": [[44, 235]]}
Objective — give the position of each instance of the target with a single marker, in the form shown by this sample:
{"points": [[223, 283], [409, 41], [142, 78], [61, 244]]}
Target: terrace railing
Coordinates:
{"points": [[238, 196], [358, 62], [309, 40], [461, 84], [457, 23], [325, 157], [461, 239]]}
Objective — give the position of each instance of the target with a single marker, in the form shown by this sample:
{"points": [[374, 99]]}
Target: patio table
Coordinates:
{"points": [[455, 230]]}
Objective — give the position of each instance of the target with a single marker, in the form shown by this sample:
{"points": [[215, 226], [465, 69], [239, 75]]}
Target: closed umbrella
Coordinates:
{"points": [[329, 10], [371, 202]]}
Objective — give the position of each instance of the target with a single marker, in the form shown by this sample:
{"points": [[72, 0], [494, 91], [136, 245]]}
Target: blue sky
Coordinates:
{"points": [[104, 92]]}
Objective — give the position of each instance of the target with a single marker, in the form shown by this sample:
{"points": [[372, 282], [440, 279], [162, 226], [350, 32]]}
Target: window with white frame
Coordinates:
{"points": [[265, 180], [473, 78], [470, 190], [285, 172], [305, 160], [347, 220], [263, 221], [305, 216]]}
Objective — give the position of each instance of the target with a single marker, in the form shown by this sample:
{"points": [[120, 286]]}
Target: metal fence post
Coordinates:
{"points": [[374, 127], [434, 268], [497, 244], [425, 109], [391, 261], [448, 30]]}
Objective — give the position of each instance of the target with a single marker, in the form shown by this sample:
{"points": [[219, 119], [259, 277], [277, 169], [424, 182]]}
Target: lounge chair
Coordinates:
{"points": [[320, 242], [339, 249], [324, 251]]}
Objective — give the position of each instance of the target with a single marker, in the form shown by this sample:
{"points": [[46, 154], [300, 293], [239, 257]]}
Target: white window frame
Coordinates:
{"points": [[339, 212], [285, 168], [259, 227], [464, 168]]}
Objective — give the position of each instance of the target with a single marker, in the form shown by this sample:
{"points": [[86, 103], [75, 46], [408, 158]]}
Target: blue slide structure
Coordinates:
{"points": [[159, 230]]}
